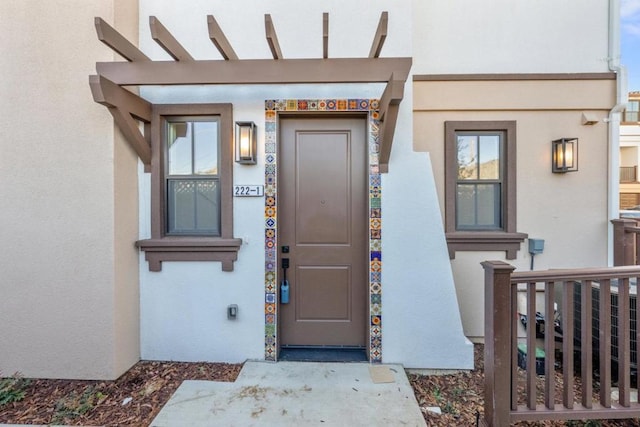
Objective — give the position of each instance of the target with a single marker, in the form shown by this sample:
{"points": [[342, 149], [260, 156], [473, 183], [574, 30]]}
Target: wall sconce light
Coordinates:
{"points": [[246, 144], [564, 153]]}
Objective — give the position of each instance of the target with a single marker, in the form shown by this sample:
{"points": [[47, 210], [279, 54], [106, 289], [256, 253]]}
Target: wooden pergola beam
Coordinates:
{"points": [[219, 39], [125, 107], [272, 38], [285, 71], [388, 108], [116, 41], [380, 37], [129, 128], [108, 93], [325, 35], [392, 95], [165, 39]]}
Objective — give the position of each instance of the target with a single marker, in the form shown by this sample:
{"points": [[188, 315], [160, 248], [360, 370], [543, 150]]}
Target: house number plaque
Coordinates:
{"points": [[248, 190]]}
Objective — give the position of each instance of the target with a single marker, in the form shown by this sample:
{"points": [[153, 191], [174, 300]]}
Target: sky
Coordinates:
{"points": [[630, 41]]}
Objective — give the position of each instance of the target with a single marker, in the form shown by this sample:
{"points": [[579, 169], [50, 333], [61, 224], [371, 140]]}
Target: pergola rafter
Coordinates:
{"points": [[116, 41], [139, 70], [380, 37], [325, 35], [165, 39], [272, 38], [219, 39]]}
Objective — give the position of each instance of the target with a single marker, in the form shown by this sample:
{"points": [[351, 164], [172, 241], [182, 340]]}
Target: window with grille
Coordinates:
{"points": [[191, 182], [479, 180], [632, 113], [192, 176], [480, 187]]}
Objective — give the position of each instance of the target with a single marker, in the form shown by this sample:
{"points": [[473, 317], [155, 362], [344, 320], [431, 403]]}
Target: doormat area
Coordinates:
{"points": [[322, 355]]}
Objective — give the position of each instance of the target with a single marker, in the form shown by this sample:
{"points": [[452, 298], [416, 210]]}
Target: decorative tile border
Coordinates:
{"points": [[272, 107]]}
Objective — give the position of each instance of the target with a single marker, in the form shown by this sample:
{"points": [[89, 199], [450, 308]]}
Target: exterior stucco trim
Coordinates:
{"points": [[524, 76]]}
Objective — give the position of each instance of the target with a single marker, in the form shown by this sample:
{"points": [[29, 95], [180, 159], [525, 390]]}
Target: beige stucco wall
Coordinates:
{"points": [[69, 306], [568, 211], [125, 198]]}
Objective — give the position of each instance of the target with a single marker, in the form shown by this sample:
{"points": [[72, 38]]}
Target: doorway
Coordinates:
{"points": [[323, 231]]}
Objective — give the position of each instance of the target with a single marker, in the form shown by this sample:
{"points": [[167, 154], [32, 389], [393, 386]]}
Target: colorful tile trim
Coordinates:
{"points": [[272, 107]]}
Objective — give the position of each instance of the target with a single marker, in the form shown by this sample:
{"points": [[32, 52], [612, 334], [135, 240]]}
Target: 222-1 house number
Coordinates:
{"points": [[248, 190]]}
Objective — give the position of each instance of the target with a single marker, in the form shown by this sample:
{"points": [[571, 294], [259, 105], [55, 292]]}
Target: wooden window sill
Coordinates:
{"points": [[190, 249], [485, 241]]}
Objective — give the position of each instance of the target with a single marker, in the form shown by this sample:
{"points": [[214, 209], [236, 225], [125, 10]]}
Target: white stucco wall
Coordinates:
{"points": [[505, 36], [629, 135], [183, 308], [421, 318]]}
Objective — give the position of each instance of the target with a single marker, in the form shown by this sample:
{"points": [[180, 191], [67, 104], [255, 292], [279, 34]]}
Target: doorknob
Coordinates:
{"points": [[285, 249]]}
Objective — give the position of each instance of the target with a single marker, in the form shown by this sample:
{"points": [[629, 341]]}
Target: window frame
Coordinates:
{"points": [[626, 119], [507, 238], [168, 177], [163, 246]]}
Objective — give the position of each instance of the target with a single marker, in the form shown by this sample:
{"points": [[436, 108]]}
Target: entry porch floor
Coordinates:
{"points": [[297, 393]]}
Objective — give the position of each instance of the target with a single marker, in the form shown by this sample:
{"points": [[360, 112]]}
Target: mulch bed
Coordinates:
{"points": [[132, 400], [460, 397], [137, 397]]}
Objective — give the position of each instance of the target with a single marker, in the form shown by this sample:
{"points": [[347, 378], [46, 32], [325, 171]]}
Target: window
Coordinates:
{"points": [[479, 181], [632, 112], [191, 180], [192, 176], [480, 187]]}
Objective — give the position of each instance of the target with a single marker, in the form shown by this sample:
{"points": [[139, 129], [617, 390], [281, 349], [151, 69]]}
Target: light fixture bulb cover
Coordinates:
{"points": [[564, 155], [246, 143]]}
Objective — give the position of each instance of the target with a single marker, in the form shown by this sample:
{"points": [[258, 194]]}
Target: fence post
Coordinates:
{"points": [[497, 342], [624, 244]]}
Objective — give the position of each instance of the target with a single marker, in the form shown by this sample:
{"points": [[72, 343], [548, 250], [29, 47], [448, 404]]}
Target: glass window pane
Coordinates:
{"points": [[489, 157], [181, 206], [465, 210], [488, 205], [207, 207], [478, 207], [467, 147], [179, 148], [205, 146], [193, 206]]}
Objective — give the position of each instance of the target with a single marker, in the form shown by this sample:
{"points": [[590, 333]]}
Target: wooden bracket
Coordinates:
{"points": [[389, 107], [125, 107]]}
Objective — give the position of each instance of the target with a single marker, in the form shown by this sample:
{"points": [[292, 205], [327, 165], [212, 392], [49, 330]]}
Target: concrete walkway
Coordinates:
{"points": [[297, 394]]}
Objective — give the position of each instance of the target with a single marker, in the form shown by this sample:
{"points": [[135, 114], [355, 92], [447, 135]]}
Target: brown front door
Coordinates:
{"points": [[322, 219]]}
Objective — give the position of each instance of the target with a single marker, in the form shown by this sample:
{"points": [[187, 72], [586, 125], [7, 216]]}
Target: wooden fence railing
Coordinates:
{"points": [[591, 350], [628, 173], [626, 239]]}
